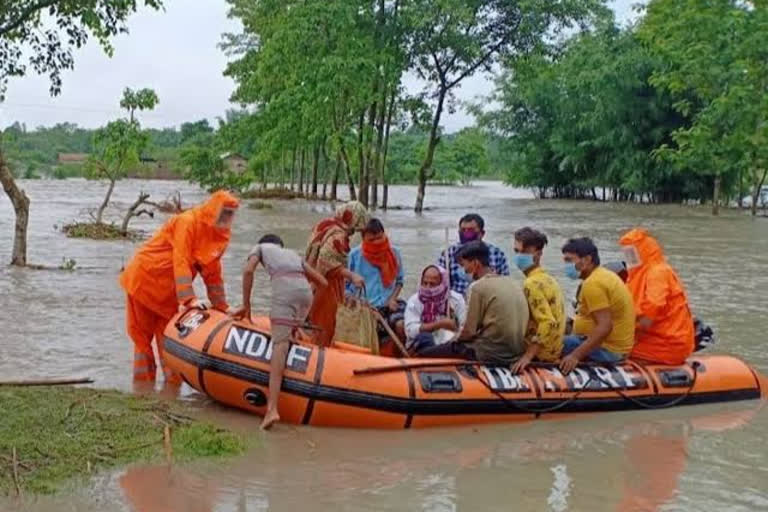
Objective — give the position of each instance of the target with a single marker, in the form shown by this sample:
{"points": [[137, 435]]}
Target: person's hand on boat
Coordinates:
{"points": [[568, 363], [521, 364], [242, 313], [191, 304], [393, 305]]}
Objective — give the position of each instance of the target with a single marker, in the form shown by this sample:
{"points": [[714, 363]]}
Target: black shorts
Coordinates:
{"points": [[392, 317]]}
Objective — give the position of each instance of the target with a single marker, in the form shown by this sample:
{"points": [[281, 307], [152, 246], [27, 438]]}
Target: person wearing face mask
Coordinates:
{"points": [[604, 325], [434, 313], [158, 280], [471, 229], [665, 328], [545, 301], [497, 314]]}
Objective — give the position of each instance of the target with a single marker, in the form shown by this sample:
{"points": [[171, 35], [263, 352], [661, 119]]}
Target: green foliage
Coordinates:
{"points": [[62, 433], [96, 231], [204, 166], [586, 117], [143, 99], [117, 148], [64, 171], [45, 43]]}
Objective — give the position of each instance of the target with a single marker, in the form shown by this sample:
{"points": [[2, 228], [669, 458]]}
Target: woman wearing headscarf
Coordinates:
{"points": [[327, 253], [434, 314], [158, 280], [664, 331]]}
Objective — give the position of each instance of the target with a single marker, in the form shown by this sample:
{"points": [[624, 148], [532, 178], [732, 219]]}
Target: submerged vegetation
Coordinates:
{"points": [[50, 435]]}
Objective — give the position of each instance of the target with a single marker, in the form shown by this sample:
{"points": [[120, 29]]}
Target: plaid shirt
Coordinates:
{"points": [[459, 282]]}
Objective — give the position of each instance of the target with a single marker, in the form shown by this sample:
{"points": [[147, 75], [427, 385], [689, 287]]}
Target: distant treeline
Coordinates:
{"points": [[192, 151]]}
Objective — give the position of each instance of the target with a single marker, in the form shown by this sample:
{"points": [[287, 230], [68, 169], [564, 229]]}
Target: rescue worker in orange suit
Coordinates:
{"points": [[665, 332], [158, 280]]}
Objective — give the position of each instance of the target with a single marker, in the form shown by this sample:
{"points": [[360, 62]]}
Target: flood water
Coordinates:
{"points": [[60, 323]]}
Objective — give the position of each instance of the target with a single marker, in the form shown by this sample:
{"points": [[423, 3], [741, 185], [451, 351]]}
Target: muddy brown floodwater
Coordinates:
{"points": [[692, 458]]}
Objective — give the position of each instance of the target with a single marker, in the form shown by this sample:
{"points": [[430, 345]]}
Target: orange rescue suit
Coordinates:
{"points": [[159, 277], [660, 296]]}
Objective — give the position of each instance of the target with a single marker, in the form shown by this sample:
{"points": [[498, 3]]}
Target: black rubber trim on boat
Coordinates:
{"points": [[318, 378], [206, 347], [435, 407], [411, 393]]}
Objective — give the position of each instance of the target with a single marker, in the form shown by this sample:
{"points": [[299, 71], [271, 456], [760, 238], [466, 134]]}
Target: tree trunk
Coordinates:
{"points": [[362, 185], [756, 191], [385, 184], [105, 203], [324, 195], [315, 163], [739, 199], [301, 172], [293, 170], [350, 178], [20, 203], [335, 179], [132, 212], [716, 196], [382, 119], [426, 167]]}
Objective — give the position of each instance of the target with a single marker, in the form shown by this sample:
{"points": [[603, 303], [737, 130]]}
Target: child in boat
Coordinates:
{"points": [[434, 314], [291, 299]]}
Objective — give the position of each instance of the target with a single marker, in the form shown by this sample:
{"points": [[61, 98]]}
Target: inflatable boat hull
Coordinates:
{"points": [[229, 361]]}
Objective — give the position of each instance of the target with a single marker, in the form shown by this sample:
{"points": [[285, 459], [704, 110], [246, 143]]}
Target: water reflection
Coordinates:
{"points": [[622, 465]]}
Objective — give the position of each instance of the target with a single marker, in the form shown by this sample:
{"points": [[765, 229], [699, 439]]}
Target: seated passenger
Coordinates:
{"points": [[471, 229], [497, 314], [545, 301], [427, 319], [665, 328], [604, 325], [381, 267]]}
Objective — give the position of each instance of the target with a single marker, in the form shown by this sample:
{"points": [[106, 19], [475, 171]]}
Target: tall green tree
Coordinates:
{"points": [[451, 40], [716, 66], [42, 34]]}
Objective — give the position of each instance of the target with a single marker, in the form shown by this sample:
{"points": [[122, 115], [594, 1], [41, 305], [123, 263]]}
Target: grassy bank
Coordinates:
{"points": [[60, 434]]}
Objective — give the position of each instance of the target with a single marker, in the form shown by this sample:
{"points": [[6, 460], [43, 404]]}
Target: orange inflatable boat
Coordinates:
{"points": [[341, 386]]}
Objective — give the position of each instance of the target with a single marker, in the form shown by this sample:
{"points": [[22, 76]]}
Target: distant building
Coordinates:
{"points": [[235, 162], [72, 158]]}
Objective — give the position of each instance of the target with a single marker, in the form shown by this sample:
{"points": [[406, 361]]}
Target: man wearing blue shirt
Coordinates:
{"points": [[381, 267], [471, 228]]}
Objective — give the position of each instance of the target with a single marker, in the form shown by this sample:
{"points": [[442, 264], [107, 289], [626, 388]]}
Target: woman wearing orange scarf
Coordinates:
{"points": [[665, 332], [381, 267], [327, 252]]}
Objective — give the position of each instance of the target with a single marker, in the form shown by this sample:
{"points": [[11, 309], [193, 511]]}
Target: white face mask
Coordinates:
{"points": [[226, 216], [631, 256]]}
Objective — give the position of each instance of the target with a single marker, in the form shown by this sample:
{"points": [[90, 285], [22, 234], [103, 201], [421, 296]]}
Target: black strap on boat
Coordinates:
{"points": [[622, 392], [471, 370]]}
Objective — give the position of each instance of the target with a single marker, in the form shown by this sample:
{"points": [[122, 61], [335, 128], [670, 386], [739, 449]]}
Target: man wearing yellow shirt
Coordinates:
{"points": [[604, 325], [545, 301]]}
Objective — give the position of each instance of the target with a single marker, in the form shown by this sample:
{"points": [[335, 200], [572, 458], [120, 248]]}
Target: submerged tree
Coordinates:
{"points": [[43, 34]]}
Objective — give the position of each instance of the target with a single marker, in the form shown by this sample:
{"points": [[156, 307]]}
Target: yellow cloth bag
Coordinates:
{"points": [[356, 325]]}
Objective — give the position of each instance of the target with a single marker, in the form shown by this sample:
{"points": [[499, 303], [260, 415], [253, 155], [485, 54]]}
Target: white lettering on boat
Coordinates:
{"points": [[257, 346], [588, 378]]}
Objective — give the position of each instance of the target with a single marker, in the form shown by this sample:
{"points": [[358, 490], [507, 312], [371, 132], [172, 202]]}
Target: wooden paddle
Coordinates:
{"points": [[389, 330]]}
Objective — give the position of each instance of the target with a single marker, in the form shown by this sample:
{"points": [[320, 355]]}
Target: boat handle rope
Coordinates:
{"points": [[622, 392], [472, 371]]}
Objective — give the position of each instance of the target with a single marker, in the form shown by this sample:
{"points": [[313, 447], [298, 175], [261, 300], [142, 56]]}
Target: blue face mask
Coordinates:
{"points": [[523, 261], [462, 274], [571, 271]]}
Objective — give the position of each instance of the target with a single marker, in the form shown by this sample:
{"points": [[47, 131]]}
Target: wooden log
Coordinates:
{"points": [[46, 382]]}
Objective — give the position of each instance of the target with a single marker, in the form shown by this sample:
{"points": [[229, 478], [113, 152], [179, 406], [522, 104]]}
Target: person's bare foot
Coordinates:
{"points": [[270, 419]]}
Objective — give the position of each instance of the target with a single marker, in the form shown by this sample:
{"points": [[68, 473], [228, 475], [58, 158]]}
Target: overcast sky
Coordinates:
{"points": [[174, 52]]}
